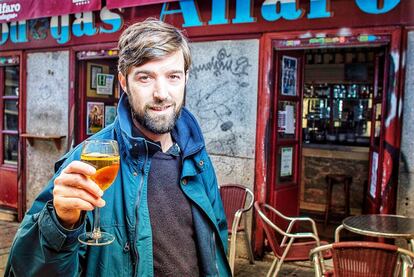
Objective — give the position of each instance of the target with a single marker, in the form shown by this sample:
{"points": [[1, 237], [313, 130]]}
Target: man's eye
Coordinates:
{"points": [[175, 77], [144, 78]]}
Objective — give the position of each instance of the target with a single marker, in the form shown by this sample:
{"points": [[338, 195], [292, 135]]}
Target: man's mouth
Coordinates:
{"points": [[160, 108]]}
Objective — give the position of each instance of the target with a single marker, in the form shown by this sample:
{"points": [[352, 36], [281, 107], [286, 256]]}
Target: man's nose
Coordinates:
{"points": [[161, 89]]}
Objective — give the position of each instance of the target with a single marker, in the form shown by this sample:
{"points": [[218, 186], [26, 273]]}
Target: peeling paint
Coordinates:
{"points": [[392, 110], [396, 59]]}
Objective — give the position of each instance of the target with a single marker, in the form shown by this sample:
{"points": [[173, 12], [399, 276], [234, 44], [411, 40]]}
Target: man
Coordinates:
{"points": [[164, 206]]}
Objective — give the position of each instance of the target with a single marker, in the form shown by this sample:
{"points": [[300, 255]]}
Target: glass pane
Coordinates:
{"points": [[286, 120], [316, 118], [11, 121], [11, 81], [285, 162], [10, 149]]}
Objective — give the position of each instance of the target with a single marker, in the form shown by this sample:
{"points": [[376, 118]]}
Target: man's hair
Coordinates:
{"points": [[149, 40]]}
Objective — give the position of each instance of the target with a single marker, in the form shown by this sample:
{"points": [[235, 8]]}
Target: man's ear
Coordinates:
{"points": [[122, 81]]}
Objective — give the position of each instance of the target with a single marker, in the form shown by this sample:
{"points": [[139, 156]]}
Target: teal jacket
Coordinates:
{"points": [[42, 247]]}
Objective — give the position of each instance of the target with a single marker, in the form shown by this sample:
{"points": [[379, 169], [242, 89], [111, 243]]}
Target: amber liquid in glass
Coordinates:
{"points": [[106, 168]]}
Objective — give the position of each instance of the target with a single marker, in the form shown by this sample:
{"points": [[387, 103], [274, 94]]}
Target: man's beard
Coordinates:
{"points": [[157, 124]]}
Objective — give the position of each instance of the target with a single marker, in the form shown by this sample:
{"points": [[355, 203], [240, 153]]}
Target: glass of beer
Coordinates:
{"points": [[104, 156]]}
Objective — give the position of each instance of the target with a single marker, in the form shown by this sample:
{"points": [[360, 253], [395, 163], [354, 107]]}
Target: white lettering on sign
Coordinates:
{"points": [[9, 11], [80, 2], [61, 28]]}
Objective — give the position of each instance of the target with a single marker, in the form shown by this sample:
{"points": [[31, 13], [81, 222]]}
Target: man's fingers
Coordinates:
{"points": [[80, 168], [63, 203], [78, 181], [77, 193]]}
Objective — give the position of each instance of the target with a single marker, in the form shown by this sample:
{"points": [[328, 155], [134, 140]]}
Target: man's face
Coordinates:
{"points": [[156, 92]]}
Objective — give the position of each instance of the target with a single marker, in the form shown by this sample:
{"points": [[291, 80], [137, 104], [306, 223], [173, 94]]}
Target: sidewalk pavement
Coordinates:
{"points": [[242, 267], [7, 231]]}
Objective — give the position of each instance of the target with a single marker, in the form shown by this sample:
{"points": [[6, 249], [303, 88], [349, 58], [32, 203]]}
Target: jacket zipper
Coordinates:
{"points": [[137, 203], [213, 235]]}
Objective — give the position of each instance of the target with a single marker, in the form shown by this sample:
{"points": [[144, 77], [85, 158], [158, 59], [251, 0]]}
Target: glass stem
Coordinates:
{"points": [[96, 233]]}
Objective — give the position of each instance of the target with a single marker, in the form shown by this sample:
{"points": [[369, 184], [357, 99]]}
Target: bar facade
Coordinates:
{"points": [[286, 92]]}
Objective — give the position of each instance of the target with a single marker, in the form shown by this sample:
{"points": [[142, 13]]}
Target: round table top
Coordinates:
{"points": [[390, 226]]}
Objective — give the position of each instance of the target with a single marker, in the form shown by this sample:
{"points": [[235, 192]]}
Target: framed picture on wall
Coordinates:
{"points": [[95, 117], [94, 73], [110, 113], [104, 83]]}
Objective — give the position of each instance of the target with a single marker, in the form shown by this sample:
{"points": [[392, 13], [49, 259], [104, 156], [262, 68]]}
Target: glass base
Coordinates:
{"points": [[90, 238]]}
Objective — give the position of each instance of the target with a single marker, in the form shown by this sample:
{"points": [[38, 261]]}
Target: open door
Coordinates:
{"points": [[286, 132], [376, 151]]}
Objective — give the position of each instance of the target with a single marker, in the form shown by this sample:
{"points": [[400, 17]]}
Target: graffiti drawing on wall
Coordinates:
{"points": [[222, 93]]}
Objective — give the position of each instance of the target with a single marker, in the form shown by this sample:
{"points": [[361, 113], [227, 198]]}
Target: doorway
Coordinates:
{"points": [[342, 107], [99, 92], [328, 119], [383, 152]]}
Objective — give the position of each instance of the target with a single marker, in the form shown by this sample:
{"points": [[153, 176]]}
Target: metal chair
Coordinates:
{"points": [[362, 258], [234, 198], [282, 240]]}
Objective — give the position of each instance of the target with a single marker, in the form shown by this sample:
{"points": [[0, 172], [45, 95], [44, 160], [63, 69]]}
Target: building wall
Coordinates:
{"points": [[405, 198], [47, 114], [222, 93]]}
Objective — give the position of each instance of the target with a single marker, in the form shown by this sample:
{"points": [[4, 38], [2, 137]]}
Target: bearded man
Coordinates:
{"points": [[164, 207]]}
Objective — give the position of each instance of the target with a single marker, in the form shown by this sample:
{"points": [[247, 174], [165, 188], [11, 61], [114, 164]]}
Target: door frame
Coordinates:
{"points": [[265, 101], [21, 185]]}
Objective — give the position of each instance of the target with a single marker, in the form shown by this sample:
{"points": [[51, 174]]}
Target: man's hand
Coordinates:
{"points": [[75, 192]]}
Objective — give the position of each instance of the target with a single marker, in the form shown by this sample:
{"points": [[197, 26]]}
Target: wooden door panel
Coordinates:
{"points": [[286, 199], [286, 132], [8, 188]]}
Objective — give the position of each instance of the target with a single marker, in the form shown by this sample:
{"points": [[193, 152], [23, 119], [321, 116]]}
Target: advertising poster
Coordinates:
{"points": [[374, 168], [286, 161], [289, 78], [110, 113], [95, 118]]}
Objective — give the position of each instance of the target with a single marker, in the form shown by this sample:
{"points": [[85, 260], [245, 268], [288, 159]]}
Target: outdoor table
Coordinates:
{"points": [[380, 225]]}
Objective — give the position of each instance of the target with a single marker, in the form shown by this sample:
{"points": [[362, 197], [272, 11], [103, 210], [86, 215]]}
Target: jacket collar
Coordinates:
{"points": [[186, 133]]}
